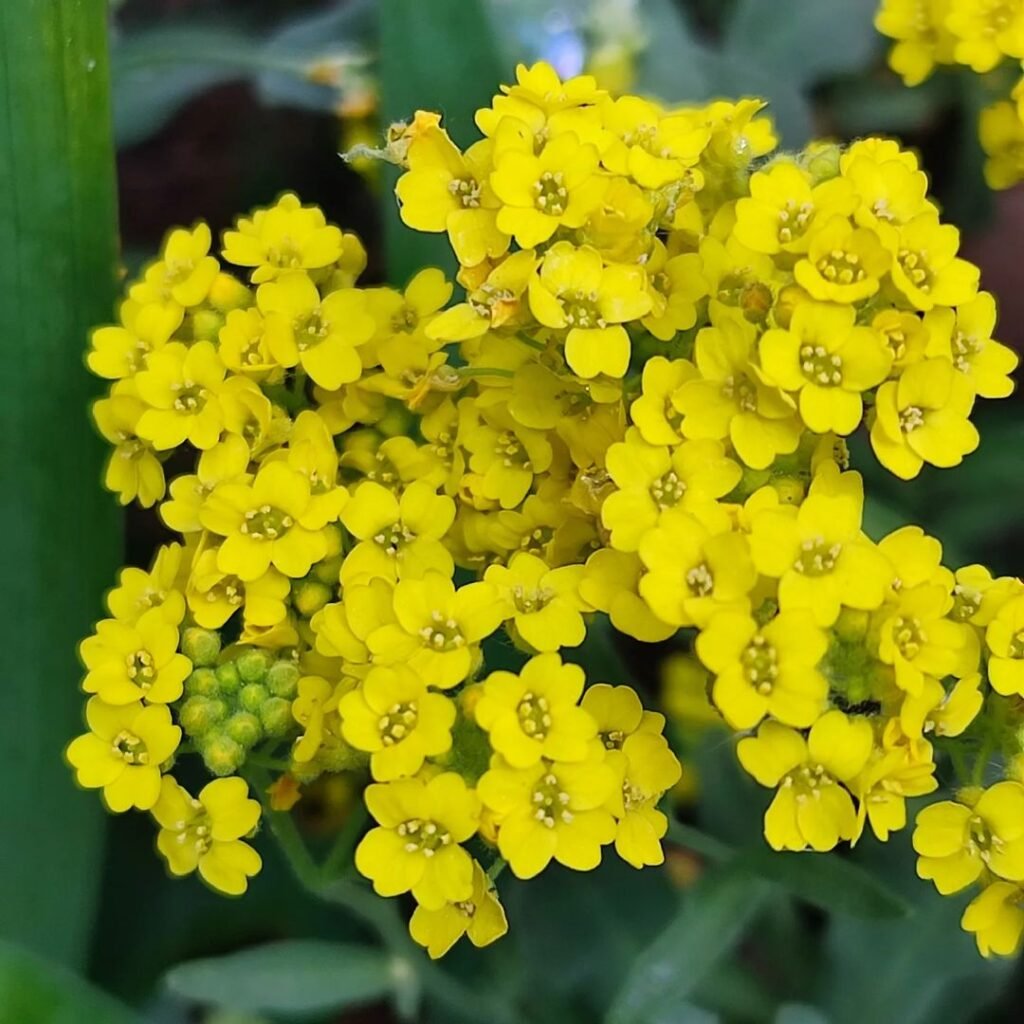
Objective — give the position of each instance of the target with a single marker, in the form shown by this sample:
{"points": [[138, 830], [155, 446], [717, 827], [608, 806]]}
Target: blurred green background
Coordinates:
{"points": [[218, 105]]}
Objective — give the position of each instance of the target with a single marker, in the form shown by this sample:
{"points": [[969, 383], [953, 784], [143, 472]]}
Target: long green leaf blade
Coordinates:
{"points": [[58, 529]]}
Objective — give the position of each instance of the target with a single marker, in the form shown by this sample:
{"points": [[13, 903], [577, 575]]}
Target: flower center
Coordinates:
{"points": [[466, 191], [266, 523], [310, 330], [285, 254], [816, 558], [406, 319], [963, 347], [196, 831], [534, 715], [1016, 648], [613, 739], [981, 838], [399, 721], [793, 220], [511, 450], [443, 633], [581, 310], [668, 490], [808, 781], [760, 664], [632, 796], [742, 391], [141, 669], [551, 802], [911, 418], [820, 366], [394, 538], [841, 267], [551, 195], [531, 599], [966, 602], [916, 269], [229, 589], [424, 836], [129, 748], [700, 580], [908, 636], [190, 397]]}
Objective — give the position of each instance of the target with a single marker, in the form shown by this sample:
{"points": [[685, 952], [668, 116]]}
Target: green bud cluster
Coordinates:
{"points": [[232, 706]]}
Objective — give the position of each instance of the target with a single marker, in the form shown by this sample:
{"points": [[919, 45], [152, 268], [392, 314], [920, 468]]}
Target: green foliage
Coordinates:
{"points": [[293, 977], [437, 56], [58, 527], [36, 991]]}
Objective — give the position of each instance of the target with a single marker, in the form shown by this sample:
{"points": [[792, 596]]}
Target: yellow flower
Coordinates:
{"points": [[986, 32], [481, 918], [1004, 638], [818, 553], [270, 521], [890, 778], [507, 455], [695, 568], [182, 388], [904, 335], [977, 597], [916, 559], [916, 638], [611, 584], [438, 628], [127, 663], [123, 751], [651, 480], [398, 537], [646, 769], [654, 413], [138, 591], [923, 41], [320, 334], [1001, 130], [416, 846], [214, 596], [543, 187], [184, 273], [243, 344], [315, 709], [395, 718], [829, 361], [404, 318], [285, 237], [733, 400], [653, 148], [311, 452], [785, 206], [843, 263], [964, 336], [925, 267], [955, 843], [574, 291], [935, 710], [811, 807], [133, 470], [544, 604], [205, 833], [767, 670], [225, 462], [342, 629], [534, 714], [122, 351], [923, 417], [889, 191], [676, 285], [496, 302], [550, 811], [996, 917], [445, 190]]}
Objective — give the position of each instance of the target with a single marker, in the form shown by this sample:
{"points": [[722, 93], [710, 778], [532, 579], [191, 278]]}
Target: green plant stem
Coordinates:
{"points": [[340, 855], [699, 842], [381, 916], [483, 371]]}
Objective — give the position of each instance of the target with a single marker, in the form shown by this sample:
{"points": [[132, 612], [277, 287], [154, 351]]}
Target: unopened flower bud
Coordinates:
{"points": [[276, 716], [202, 682], [200, 646], [283, 678], [200, 714], [228, 293], [228, 679], [310, 595], [221, 754], [252, 697], [253, 665], [244, 728]]}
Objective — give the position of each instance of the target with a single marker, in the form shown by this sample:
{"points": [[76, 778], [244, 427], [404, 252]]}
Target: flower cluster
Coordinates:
{"points": [[401, 514], [986, 36]]}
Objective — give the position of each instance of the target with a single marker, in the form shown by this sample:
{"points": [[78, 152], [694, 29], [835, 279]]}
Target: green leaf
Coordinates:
{"points": [[803, 41], [156, 72], [297, 976], [433, 56], [36, 991], [799, 1013], [711, 920], [59, 532]]}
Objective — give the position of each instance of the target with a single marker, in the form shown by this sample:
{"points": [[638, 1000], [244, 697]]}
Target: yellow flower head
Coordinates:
{"points": [[184, 274], [205, 833]]}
